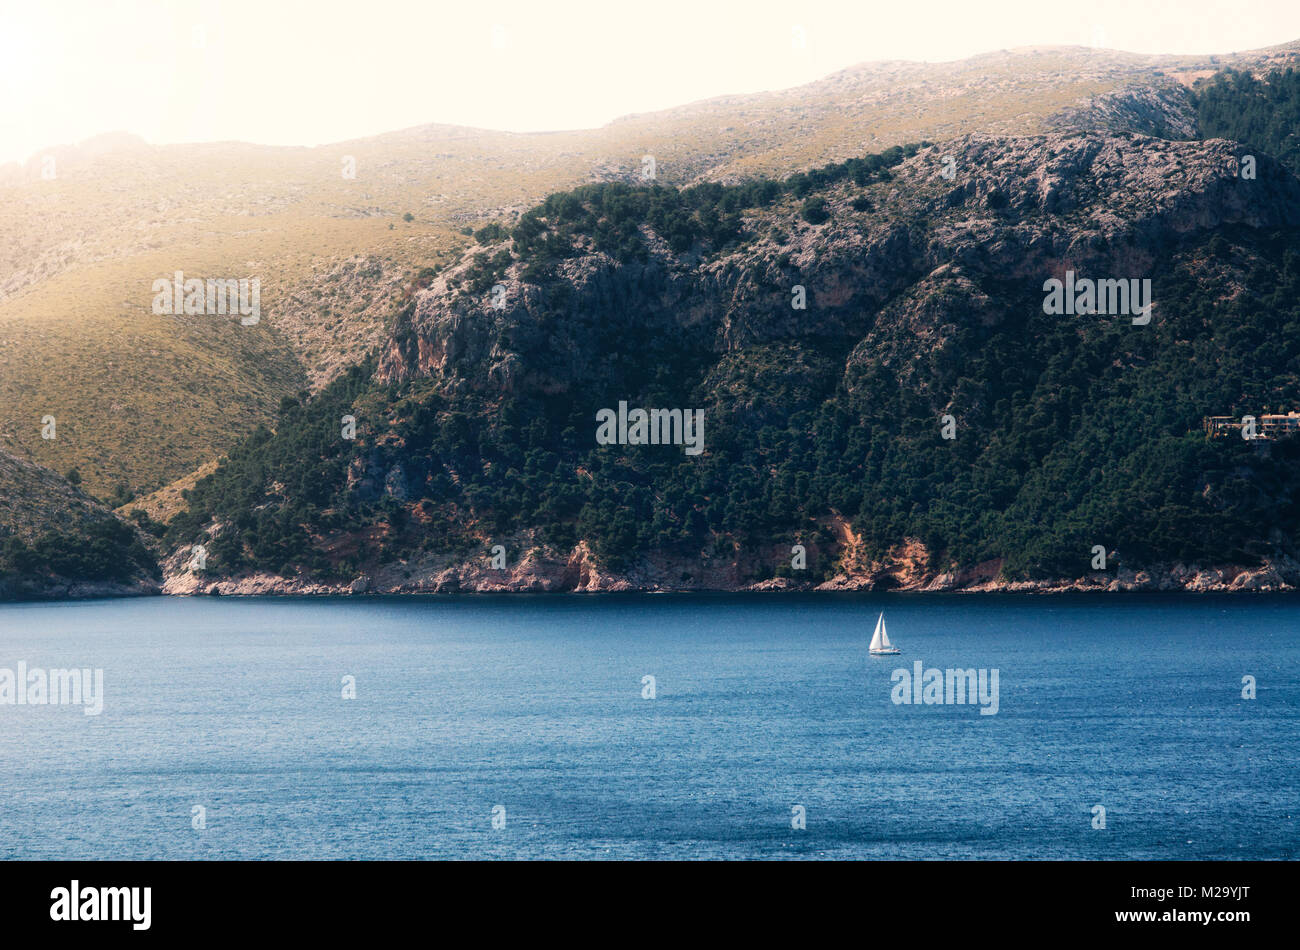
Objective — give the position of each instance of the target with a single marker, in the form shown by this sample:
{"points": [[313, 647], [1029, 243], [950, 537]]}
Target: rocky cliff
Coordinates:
{"points": [[1016, 209], [883, 385]]}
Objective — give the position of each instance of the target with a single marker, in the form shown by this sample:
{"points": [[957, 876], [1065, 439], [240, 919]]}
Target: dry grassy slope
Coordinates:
{"points": [[163, 504], [147, 399], [34, 499], [875, 105]]}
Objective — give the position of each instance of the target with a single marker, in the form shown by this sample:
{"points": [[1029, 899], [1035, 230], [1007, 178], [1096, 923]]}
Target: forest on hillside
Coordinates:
{"points": [[1069, 437], [1263, 112]]}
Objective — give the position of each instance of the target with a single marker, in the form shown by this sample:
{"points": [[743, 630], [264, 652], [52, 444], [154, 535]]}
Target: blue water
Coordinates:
{"points": [[534, 703]]}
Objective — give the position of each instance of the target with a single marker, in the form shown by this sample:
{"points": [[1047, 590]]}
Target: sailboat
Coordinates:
{"points": [[880, 645]]}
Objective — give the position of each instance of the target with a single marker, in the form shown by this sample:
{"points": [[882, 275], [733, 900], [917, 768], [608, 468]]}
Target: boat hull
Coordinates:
{"points": [[885, 652]]}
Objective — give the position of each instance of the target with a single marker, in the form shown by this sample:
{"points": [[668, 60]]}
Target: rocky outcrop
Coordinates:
{"points": [[1024, 208], [1164, 109], [534, 567], [549, 571]]}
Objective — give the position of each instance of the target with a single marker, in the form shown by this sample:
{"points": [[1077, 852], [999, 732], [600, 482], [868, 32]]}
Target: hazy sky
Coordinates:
{"points": [[305, 72]]}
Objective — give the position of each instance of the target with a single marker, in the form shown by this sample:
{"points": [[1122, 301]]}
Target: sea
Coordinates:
{"points": [[663, 727]]}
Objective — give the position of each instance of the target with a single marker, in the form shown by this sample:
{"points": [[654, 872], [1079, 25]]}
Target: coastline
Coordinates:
{"points": [[904, 569], [545, 571], [532, 578]]}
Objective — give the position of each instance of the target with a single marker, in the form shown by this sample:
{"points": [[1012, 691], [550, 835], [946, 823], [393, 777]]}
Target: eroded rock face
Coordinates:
{"points": [[1024, 208], [1161, 108], [545, 570]]}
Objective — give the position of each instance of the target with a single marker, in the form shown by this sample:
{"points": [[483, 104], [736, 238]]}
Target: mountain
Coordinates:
{"points": [[148, 400], [923, 277], [373, 291]]}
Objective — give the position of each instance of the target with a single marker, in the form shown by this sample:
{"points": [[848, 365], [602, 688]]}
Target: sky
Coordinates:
{"points": [[288, 72]]}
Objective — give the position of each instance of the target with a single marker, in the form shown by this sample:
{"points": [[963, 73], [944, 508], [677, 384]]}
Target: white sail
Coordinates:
{"points": [[884, 634], [880, 631]]}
